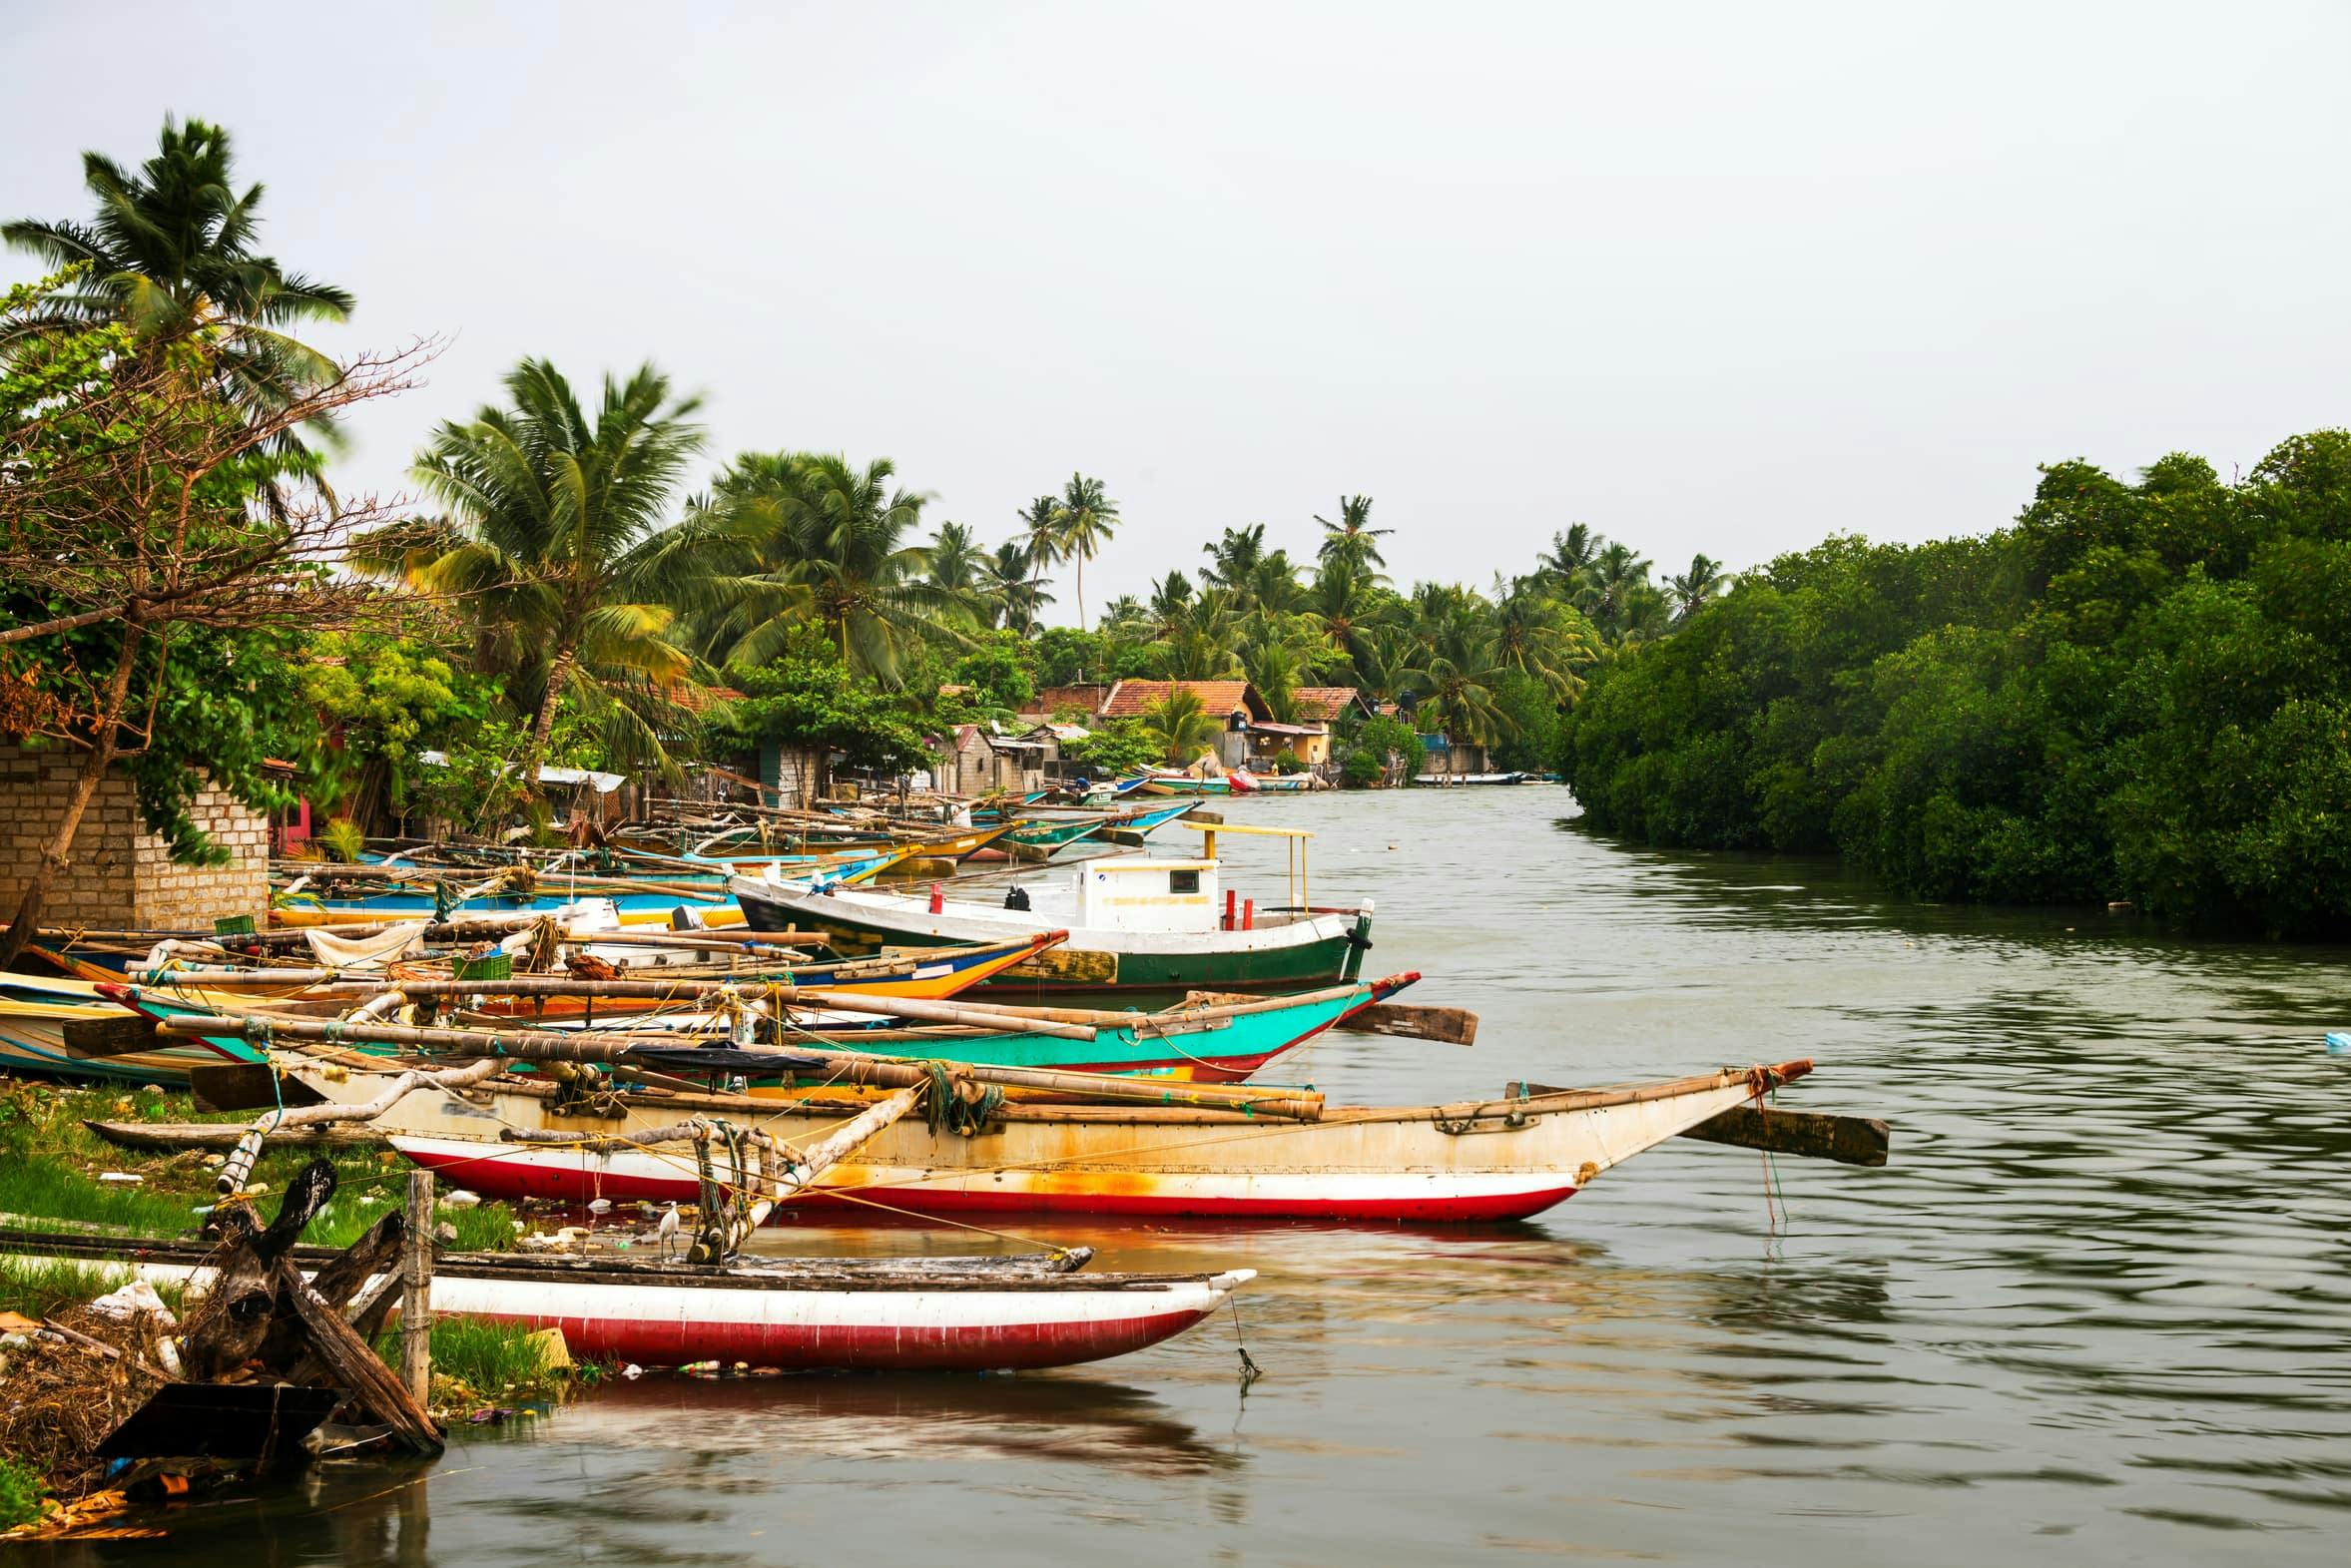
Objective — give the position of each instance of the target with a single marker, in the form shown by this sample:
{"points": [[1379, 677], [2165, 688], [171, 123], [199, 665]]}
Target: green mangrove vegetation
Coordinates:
{"points": [[2138, 691]]}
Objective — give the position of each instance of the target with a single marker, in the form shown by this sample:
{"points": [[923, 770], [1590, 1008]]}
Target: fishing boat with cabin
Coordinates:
{"points": [[1134, 924]]}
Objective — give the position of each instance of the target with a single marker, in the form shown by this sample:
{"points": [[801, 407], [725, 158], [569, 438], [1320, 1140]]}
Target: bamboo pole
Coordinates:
{"points": [[846, 1067], [416, 1292]]}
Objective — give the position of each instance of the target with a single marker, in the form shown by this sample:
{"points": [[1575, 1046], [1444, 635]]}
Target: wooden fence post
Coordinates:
{"points": [[416, 1296]]}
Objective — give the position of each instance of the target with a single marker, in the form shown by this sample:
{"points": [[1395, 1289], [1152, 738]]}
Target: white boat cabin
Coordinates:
{"points": [[1116, 893]]}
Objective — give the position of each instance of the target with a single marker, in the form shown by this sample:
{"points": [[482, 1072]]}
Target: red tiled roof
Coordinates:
{"points": [[1051, 700], [1321, 704], [1129, 699]]}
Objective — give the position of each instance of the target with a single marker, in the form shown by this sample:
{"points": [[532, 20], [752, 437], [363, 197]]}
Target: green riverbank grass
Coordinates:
{"points": [[477, 1363], [20, 1491], [50, 1165]]}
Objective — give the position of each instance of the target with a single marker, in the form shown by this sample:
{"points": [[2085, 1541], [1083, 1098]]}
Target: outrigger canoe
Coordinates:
{"points": [[1210, 1040], [930, 973], [1484, 1160], [706, 896], [800, 1315], [38, 1037]]}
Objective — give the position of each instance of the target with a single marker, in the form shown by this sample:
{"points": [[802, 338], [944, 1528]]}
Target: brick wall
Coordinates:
{"points": [[122, 877]]}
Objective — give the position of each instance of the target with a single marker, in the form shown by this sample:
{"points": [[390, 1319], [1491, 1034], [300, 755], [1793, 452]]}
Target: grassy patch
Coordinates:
{"points": [[476, 1363], [21, 1490], [50, 1164], [46, 1288], [43, 1289]]}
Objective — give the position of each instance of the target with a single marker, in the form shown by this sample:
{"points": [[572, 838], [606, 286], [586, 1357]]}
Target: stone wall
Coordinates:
{"points": [[121, 877]]}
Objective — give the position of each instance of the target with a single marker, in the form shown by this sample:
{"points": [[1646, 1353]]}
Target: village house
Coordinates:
{"points": [[1315, 711], [1234, 705], [969, 761]]}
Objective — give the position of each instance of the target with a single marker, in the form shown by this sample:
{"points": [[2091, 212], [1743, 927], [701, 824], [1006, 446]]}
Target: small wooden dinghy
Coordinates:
{"points": [[809, 1314]]}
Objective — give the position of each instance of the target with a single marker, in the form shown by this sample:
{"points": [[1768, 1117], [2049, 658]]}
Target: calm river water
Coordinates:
{"points": [[2098, 1309]]}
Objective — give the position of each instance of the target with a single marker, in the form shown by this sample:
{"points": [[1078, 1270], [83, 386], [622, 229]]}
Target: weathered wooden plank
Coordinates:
{"points": [[1451, 1025], [120, 1036], [223, 1136], [248, 1086], [1810, 1135]]}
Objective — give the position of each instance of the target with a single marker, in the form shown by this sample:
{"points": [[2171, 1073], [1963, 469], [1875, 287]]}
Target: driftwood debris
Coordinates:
{"points": [[262, 1321]]}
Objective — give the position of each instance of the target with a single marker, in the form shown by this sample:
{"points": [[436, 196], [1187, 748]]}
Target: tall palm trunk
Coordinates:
{"points": [[57, 854], [1081, 593], [558, 675]]}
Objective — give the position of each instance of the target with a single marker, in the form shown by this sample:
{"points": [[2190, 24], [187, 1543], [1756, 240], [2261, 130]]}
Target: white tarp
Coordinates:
{"points": [[605, 782]]}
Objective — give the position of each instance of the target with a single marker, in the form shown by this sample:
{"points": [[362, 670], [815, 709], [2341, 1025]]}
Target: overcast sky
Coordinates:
{"points": [[1720, 279]]}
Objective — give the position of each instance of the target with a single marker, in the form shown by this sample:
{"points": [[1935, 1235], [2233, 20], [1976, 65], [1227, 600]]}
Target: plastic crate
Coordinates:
{"points": [[490, 966]]}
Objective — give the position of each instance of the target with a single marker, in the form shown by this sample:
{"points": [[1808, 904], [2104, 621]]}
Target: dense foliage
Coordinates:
{"points": [[2140, 692]]}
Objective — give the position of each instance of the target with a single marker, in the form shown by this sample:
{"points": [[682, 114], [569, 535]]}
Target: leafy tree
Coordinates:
{"points": [[1113, 748], [998, 673], [1364, 751], [160, 549], [809, 699], [2139, 690]]}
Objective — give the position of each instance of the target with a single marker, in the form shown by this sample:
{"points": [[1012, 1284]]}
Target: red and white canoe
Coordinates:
{"points": [[807, 1322], [1478, 1160], [804, 1315]]}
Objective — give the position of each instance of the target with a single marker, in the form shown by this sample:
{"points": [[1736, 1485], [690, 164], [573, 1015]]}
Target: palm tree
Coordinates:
{"points": [[1126, 618], [1535, 635], [1200, 639], [1612, 580], [1169, 596], [954, 558], [1692, 591], [1274, 587], [1569, 557], [1456, 681], [1351, 539], [1041, 533], [1234, 559], [826, 540], [171, 252], [1179, 726], [1340, 599], [1010, 587], [552, 536], [1087, 519]]}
